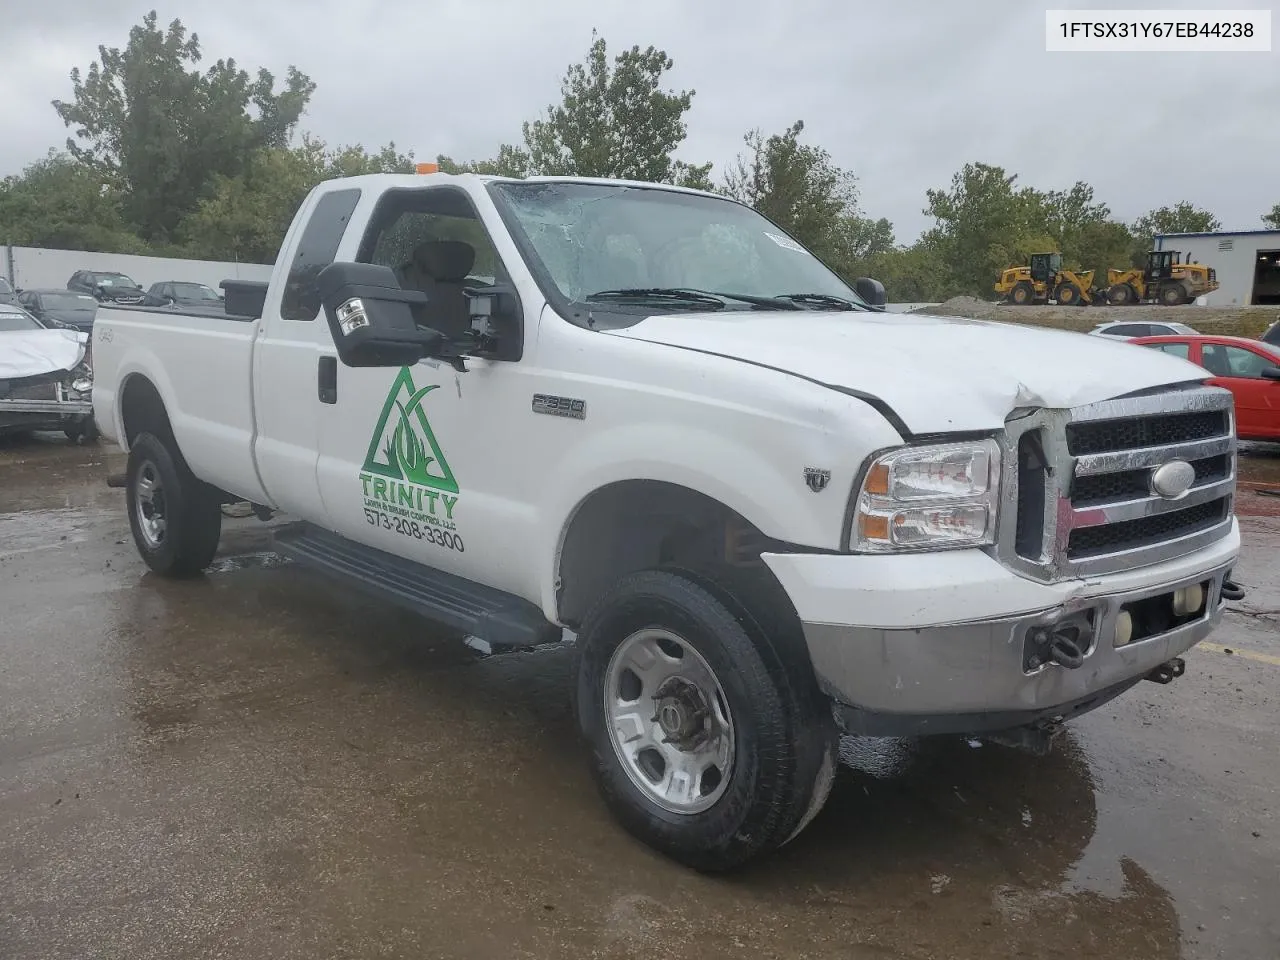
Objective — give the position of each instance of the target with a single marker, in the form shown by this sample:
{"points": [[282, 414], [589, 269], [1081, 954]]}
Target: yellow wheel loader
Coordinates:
{"points": [[1165, 280], [1046, 279]]}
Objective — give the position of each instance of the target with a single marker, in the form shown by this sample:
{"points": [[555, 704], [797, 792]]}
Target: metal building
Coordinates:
{"points": [[1247, 262]]}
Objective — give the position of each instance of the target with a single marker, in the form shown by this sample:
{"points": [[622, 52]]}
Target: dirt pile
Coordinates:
{"points": [[1228, 321]]}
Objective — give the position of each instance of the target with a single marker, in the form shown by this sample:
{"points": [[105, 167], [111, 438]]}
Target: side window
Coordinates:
{"points": [[315, 251], [404, 242], [1182, 350], [1213, 357], [1126, 330], [1245, 363], [434, 242]]}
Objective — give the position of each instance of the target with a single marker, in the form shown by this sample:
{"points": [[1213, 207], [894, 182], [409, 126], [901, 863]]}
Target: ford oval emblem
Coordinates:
{"points": [[1172, 480]]}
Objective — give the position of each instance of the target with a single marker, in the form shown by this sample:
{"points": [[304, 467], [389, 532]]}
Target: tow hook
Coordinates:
{"points": [[1168, 671], [1064, 644]]}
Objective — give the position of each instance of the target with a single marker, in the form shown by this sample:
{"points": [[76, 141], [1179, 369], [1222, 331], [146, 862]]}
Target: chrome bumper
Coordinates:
{"points": [[974, 677]]}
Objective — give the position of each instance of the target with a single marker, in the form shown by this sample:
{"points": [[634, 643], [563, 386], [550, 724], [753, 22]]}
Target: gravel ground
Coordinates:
{"points": [[1231, 321]]}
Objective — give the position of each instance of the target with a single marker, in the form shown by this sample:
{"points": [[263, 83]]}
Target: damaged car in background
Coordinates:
{"points": [[46, 378]]}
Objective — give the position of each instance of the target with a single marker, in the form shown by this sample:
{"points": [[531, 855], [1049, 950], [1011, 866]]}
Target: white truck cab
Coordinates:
{"points": [[769, 511]]}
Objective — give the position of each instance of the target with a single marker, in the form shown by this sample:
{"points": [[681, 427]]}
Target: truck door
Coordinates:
{"points": [[409, 457], [292, 352]]}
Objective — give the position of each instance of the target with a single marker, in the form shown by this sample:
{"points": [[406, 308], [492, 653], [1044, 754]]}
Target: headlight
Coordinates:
{"points": [[930, 497], [83, 385]]}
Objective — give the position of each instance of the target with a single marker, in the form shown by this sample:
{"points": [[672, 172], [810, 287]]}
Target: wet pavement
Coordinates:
{"points": [[255, 764]]}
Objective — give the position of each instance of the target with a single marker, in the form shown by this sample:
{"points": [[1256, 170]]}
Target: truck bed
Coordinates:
{"points": [[210, 409]]}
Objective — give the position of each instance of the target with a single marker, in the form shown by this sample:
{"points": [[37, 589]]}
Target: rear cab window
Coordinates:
{"points": [[316, 249]]}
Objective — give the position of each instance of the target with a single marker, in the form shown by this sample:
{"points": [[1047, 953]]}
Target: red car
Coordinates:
{"points": [[1250, 369]]}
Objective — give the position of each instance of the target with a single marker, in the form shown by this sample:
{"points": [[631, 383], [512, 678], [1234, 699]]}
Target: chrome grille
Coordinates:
{"points": [[1080, 482]]}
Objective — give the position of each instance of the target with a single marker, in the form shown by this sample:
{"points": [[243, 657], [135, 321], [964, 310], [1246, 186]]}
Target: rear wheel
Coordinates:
{"points": [[1067, 294], [703, 744], [1022, 293], [175, 518]]}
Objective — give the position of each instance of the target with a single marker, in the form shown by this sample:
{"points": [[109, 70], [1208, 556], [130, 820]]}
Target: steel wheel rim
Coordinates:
{"points": [[669, 721], [148, 497]]}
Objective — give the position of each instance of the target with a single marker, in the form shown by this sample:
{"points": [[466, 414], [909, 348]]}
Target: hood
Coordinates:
{"points": [[939, 374], [34, 353]]}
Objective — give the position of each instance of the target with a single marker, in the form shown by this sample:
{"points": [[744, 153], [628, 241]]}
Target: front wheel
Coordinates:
{"points": [[1067, 294], [703, 746], [176, 519]]}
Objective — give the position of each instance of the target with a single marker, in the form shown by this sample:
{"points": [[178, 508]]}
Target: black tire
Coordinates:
{"points": [[86, 431], [1022, 293], [1067, 294], [1121, 294], [1172, 295], [190, 509], [784, 734]]}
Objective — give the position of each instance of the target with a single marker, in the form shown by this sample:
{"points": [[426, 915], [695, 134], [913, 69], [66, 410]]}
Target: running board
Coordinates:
{"points": [[497, 618]]}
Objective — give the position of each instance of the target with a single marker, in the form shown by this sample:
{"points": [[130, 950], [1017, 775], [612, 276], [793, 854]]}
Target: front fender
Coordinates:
{"points": [[762, 481]]}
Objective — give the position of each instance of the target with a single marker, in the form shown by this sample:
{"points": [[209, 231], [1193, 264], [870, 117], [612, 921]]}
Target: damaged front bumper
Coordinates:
{"points": [[46, 403], [46, 382], [954, 643]]}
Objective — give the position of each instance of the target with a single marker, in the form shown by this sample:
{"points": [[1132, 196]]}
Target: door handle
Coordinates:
{"points": [[327, 380]]}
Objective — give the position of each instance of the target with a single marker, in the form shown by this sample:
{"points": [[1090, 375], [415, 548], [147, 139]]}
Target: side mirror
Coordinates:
{"points": [[371, 317], [490, 307], [871, 291], [1270, 373]]}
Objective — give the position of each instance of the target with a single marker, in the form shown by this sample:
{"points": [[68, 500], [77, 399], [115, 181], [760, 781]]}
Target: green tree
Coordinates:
{"points": [[1183, 217], [985, 223], [914, 274], [245, 217], [1272, 219], [61, 203], [801, 189], [164, 133], [614, 121], [1084, 231], [511, 161]]}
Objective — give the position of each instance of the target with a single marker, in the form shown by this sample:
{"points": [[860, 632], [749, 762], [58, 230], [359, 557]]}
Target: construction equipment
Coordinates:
{"points": [[1046, 279], [1165, 280]]}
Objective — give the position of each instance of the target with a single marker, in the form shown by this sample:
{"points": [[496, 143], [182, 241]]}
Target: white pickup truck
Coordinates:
{"points": [[768, 511]]}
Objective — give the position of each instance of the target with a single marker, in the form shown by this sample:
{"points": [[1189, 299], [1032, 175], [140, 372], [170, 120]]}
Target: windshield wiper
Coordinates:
{"points": [[692, 295], [650, 294], [824, 299], [773, 303]]}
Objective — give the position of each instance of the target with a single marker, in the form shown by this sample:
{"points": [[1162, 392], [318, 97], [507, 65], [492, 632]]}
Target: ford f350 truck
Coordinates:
{"points": [[766, 511]]}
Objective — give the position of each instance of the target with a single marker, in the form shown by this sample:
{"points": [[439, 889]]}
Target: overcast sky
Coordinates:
{"points": [[902, 93]]}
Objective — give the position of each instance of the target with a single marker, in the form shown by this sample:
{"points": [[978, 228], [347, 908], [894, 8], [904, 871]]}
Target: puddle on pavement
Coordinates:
{"points": [[30, 530], [261, 560]]}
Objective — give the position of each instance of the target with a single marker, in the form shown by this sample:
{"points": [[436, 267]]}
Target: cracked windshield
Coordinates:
{"points": [[604, 239]]}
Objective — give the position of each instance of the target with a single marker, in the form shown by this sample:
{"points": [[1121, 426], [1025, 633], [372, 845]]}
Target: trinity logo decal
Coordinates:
{"points": [[406, 481]]}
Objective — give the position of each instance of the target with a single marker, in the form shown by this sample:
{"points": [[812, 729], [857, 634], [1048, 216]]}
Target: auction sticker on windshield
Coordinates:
{"points": [[785, 242], [406, 482]]}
